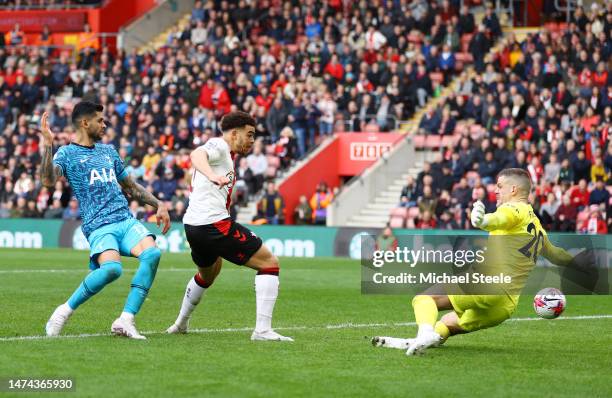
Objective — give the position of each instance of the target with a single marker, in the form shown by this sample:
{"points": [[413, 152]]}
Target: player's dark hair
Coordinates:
{"points": [[85, 109], [517, 173], [238, 119]]}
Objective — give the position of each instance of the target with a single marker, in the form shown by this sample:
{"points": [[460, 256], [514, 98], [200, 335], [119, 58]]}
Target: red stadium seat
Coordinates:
{"points": [[465, 42], [418, 141], [464, 57], [372, 128], [396, 222], [399, 212], [433, 141], [413, 212], [410, 223], [450, 140]]}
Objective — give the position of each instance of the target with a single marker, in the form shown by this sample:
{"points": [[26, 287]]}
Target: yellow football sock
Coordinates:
{"points": [[442, 330], [425, 310]]}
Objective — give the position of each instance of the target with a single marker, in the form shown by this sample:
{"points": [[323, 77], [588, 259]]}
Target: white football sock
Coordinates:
{"points": [[127, 316], [266, 291], [424, 329], [193, 295]]}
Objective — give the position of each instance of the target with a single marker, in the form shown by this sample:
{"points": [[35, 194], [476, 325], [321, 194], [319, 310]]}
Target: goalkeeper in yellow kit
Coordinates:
{"points": [[514, 216]]}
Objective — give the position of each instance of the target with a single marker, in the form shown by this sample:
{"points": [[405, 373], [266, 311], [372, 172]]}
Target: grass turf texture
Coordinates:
{"points": [[542, 358]]}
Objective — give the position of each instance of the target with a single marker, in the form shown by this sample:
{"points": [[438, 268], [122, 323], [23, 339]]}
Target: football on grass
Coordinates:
{"points": [[549, 303]]}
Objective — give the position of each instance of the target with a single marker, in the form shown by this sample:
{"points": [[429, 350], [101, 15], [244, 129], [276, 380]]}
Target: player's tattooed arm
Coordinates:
{"points": [[141, 195], [49, 173]]}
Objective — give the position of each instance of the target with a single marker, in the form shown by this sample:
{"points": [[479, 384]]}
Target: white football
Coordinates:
{"points": [[549, 303]]}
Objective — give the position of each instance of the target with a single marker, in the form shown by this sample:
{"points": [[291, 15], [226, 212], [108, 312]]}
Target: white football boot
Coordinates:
{"points": [[58, 319], [422, 342], [269, 335], [177, 329], [125, 328], [391, 342]]}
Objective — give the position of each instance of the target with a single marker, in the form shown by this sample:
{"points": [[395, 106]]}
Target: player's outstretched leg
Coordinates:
{"points": [[196, 287], [391, 342], [149, 256], [266, 292], [109, 270], [426, 314]]}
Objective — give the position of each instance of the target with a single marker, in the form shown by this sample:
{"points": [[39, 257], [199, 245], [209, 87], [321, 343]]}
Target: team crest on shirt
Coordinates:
{"points": [[230, 176]]}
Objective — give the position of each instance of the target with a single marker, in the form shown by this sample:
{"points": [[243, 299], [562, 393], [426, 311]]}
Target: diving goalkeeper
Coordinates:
{"points": [[514, 217]]}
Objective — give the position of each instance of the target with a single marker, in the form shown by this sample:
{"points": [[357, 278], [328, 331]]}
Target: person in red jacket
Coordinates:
{"points": [[427, 221], [206, 93], [580, 194], [594, 224], [264, 98], [600, 77], [221, 99], [565, 217], [335, 68]]}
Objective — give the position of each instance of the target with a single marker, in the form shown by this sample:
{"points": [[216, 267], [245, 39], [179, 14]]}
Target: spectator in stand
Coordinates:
{"points": [[386, 241], [598, 171], [272, 206], [277, 118], [55, 210], [426, 221], [258, 164], [580, 195], [408, 197], [303, 212], [430, 123], [298, 122], [72, 211], [599, 195], [319, 202], [428, 201], [594, 224], [31, 211], [286, 147], [245, 182], [548, 210], [177, 212], [16, 36], [164, 187], [328, 108]]}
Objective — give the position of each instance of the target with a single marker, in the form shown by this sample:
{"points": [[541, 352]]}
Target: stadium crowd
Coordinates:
{"points": [[303, 69], [544, 105]]}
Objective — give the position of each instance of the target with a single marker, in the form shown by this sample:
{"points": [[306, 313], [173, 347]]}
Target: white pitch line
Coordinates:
{"points": [[324, 327]]}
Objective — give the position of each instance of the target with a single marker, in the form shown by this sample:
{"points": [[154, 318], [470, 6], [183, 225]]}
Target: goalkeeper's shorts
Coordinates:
{"points": [[477, 312]]}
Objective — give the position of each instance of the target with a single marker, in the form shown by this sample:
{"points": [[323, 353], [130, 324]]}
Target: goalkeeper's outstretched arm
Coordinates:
{"points": [[502, 219], [556, 255]]}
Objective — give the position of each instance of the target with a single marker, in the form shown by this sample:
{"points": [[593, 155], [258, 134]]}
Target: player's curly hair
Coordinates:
{"points": [[235, 120]]}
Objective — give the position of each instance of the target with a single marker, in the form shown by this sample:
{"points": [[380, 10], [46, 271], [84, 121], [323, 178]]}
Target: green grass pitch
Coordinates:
{"points": [[320, 305]]}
